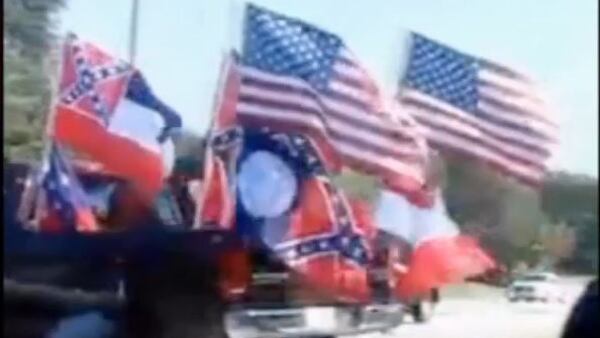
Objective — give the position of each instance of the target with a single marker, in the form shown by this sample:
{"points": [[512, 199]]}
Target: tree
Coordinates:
{"points": [[358, 186], [30, 25], [25, 100], [567, 195], [522, 216], [189, 144], [558, 241], [29, 41], [505, 215], [573, 200], [474, 195], [189, 153]]}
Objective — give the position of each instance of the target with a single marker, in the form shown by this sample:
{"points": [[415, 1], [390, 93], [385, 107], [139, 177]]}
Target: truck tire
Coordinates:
{"points": [[422, 311], [178, 299]]}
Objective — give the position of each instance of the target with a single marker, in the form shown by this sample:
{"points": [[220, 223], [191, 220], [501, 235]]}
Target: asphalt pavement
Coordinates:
{"points": [[492, 316], [476, 311]]}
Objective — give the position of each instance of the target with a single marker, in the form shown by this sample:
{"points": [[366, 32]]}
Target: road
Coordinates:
{"points": [[476, 311], [492, 316], [484, 319]]}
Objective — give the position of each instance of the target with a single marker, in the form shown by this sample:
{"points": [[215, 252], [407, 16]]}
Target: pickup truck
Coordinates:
{"points": [[158, 283]]}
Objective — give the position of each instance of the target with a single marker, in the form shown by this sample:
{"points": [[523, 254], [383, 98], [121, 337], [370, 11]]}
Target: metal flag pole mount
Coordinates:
{"points": [[133, 31]]}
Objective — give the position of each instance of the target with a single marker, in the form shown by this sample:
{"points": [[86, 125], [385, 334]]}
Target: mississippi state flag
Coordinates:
{"points": [[434, 251], [107, 112], [217, 199], [63, 205], [287, 203]]}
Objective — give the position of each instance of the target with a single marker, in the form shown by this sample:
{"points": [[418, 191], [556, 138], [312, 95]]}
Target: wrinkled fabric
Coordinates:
{"points": [[438, 254]]}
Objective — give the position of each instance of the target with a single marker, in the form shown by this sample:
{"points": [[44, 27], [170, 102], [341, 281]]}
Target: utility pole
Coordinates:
{"points": [[133, 31]]}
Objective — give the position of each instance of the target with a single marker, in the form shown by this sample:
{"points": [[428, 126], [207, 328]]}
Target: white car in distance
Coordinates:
{"points": [[535, 287]]}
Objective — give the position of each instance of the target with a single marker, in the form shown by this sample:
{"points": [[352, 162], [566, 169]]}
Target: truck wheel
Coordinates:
{"points": [[422, 311], [177, 299], [180, 320]]}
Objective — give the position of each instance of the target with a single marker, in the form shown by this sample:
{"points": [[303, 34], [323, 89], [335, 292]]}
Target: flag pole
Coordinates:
{"points": [[218, 97], [54, 90], [133, 25]]}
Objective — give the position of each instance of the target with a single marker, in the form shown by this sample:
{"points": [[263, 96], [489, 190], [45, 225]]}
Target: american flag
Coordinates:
{"points": [[63, 205], [478, 108], [296, 77]]}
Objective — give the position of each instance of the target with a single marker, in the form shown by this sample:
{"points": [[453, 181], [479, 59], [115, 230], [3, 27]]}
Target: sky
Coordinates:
{"points": [[181, 43]]}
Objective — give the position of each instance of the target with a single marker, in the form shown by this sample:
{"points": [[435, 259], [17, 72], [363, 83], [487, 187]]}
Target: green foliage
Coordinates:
{"points": [[559, 222], [189, 144], [506, 216], [566, 195], [522, 216], [28, 39], [189, 153], [573, 200], [558, 241], [29, 25], [474, 195], [358, 186]]}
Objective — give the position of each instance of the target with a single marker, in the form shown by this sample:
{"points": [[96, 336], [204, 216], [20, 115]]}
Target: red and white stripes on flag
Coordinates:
{"points": [[298, 77], [363, 139], [107, 112], [435, 251], [478, 108]]}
